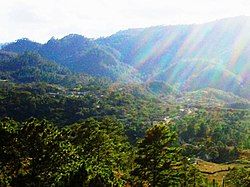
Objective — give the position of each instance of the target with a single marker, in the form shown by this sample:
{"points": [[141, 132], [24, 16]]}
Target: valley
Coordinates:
{"points": [[156, 106]]}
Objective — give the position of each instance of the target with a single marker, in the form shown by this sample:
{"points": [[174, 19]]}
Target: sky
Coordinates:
{"points": [[39, 20]]}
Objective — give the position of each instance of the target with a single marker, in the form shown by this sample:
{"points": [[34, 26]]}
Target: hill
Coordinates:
{"points": [[32, 68], [212, 97], [214, 54], [79, 54], [186, 57]]}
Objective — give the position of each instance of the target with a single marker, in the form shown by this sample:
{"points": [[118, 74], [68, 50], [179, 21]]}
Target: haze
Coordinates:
{"points": [[40, 20]]}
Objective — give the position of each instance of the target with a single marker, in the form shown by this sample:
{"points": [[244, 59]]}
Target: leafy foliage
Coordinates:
{"points": [[159, 160], [38, 153], [132, 105], [213, 135], [238, 177], [79, 54], [33, 154]]}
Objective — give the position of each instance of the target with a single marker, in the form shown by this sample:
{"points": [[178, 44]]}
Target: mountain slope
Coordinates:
{"points": [[30, 67], [79, 54], [183, 54], [188, 57], [212, 97], [21, 46]]}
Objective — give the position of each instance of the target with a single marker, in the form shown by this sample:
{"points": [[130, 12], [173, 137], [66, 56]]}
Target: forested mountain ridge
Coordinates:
{"points": [[79, 54], [31, 67], [214, 54]]}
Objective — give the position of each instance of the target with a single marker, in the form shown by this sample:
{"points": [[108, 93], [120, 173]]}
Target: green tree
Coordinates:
{"points": [[35, 153], [103, 148], [157, 158]]}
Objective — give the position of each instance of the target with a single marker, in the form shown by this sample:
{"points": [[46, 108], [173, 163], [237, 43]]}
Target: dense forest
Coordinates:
{"points": [[82, 112], [97, 149], [101, 134]]}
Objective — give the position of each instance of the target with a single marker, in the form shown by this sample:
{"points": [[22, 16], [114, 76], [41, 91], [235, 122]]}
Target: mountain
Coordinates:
{"points": [[22, 45], [31, 67], [186, 57], [79, 54], [215, 54]]}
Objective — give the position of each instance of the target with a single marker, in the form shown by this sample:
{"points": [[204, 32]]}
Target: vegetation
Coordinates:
{"points": [[238, 177], [214, 135], [79, 54], [38, 153], [159, 161], [90, 137], [81, 112], [92, 153], [153, 54]]}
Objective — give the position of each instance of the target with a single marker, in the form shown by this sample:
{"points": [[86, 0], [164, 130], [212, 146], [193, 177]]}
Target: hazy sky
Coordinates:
{"points": [[39, 20]]}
